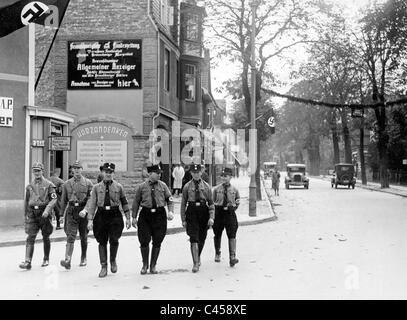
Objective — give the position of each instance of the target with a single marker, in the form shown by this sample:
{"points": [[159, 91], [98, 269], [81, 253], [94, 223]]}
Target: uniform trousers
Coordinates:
{"points": [[197, 218], [34, 223], [225, 219], [152, 225], [108, 225], [74, 223]]}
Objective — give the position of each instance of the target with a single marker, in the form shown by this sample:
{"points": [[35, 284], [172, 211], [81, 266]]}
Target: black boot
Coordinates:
{"points": [[84, 248], [29, 251], [232, 252], [103, 260], [47, 249], [144, 254], [68, 256], [217, 242], [195, 256], [154, 256], [113, 254]]}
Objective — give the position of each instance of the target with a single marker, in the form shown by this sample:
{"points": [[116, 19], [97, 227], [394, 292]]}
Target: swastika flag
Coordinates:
{"points": [[17, 14]]}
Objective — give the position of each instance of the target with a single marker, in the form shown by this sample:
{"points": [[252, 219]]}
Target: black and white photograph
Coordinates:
{"points": [[203, 155]]}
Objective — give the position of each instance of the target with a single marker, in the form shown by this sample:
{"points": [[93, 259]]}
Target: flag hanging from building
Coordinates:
{"points": [[17, 14]]}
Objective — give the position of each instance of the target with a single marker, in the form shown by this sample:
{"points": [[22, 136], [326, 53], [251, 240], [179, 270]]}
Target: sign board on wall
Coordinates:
{"points": [[6, 112], [99, 142], [59, 143], [104, 64]]}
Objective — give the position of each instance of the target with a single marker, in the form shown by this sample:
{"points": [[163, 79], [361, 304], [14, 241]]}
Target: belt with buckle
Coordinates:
{"points": [[37, 207], [108, 208], [153, 210], [225, 208], [196, 204]]}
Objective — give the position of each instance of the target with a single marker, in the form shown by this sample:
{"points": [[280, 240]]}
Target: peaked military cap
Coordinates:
{"points": [[196, 167], [227, 172], [77, 164], [108, 166], [37, 166], [154, 168]]}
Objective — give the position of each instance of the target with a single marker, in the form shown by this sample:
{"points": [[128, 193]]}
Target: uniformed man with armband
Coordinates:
{"points": [[107, 224], [75, 194], [152, 196], [226, 199], [40, 198], [197, 213]]}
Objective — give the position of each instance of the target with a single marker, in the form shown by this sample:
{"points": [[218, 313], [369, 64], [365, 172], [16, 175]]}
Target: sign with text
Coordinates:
{"points": [[92, 154], [59, 143], [6, 112], [104, 64]]}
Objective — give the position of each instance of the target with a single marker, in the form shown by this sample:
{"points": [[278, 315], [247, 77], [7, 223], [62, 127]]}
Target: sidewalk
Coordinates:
{"points": [[373, 186], [14, 236]]}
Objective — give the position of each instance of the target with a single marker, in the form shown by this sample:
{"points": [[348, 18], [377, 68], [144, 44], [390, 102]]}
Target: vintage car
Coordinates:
{"points": [[268, 169], [344, 175], [296, 176]]}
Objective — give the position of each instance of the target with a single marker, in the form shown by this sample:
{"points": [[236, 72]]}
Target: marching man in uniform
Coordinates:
{"points": [[107, 224], [75, 194], [152, 196], [40, 198], [226, 198], [197, 213]]}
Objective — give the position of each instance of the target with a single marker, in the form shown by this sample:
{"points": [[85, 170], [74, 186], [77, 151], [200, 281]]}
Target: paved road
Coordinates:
{"points": [[326, 244]]}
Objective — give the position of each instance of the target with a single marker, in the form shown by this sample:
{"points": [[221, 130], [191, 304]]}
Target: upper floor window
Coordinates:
{"points": [[167, 13], [192, 32], [166, 69], [190, 82]]}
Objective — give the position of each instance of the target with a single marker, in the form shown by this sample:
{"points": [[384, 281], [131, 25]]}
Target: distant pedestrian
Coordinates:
{"points": [[40, 198], [58, 182], [107, 224], [152, 196], [197, 213], [226, 198], [205, 176], [100, 175], [75, 194], [275, 181], [178, 174]]}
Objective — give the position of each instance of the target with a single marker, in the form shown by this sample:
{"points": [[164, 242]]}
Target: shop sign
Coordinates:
{"points": [[104, 64], [6, 111], [60, 143]]}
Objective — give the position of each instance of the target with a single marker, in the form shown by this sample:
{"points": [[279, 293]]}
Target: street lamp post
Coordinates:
{"points": [[253, 133]]}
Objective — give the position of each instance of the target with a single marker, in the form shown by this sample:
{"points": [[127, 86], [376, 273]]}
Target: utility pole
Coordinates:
{"points": [[253, 132]]}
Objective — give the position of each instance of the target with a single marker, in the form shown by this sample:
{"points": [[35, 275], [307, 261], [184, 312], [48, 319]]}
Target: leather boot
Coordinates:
{"points": [[47, 249], [84, 248], [103, 260], [217, 242], [68, 256], [154, 256], [29, 251], [113, 254], [232, 252], [145, 255], [195, 256]]}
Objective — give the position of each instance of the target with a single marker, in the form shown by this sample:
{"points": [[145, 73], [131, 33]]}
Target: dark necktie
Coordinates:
{"points": [[197, 194], [154, 203], [107, 195], [225, 195]]}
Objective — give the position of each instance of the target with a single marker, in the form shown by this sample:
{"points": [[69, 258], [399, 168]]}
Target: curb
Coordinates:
{"points": [[170, 231], [359, 185]]}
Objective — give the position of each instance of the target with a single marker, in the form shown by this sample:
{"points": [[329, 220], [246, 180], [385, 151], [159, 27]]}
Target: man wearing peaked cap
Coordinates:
{"points": [[152, 196], [40, 198], [107, 224], [226, 199], [197, 213], [58, 182], [75, 194]]}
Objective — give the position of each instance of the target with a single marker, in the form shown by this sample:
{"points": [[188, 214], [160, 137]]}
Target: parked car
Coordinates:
{"points": [[296, 176], [343, 175], [268, 169]]}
